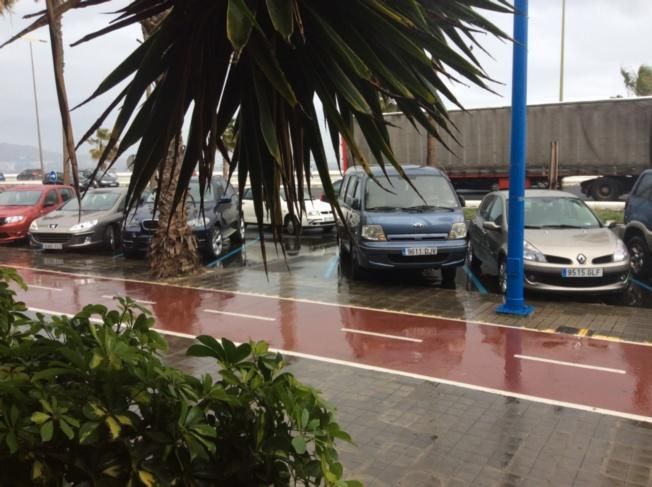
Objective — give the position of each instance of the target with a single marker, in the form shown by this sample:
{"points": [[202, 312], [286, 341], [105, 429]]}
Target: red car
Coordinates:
{"points": [[20, 205]]}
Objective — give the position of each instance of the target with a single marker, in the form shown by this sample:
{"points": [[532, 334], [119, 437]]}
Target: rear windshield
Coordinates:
{"points": [[558, 212], [20, 198], [397, 194], [94, 201]]}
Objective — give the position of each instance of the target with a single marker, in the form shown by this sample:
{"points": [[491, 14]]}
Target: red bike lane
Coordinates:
{"points": [[582, 372]]}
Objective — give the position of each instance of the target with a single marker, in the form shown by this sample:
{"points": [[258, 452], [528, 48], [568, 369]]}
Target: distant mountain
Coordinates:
{"points": [[14, 158]]}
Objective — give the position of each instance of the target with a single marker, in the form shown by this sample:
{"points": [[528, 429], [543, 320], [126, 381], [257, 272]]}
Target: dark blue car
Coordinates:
{"points": [[220, 220], [638, 232], [391, 226]]}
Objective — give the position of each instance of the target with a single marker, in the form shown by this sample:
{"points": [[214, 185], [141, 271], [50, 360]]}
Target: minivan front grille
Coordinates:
{"points": [[417, 236]]}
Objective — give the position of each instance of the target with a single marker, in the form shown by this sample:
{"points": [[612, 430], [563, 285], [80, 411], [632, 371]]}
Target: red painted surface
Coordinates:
{"points": [[470, 353]]}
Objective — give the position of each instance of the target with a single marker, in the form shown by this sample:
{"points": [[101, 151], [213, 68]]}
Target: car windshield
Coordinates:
{"points": [[93, 201], [306, 195], [193, 195], [434, 192], [19, 198], [558, 212]]}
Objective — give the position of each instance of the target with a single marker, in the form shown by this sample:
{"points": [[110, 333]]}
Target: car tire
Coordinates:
{"points": [[238, 236], [357, 272], [472, 260], [639, 256], [110, 238], [448, 275], [342, 249], [502, 275], [291, 225], [215, 244], [606, 189]]}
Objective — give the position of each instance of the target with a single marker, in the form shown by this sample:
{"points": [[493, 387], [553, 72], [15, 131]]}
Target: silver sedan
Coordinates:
{"points": [[567, 248]]}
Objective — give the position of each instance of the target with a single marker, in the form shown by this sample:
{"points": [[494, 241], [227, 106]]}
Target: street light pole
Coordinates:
{"points": [[514, 301], [38, 120], [563, 50]]}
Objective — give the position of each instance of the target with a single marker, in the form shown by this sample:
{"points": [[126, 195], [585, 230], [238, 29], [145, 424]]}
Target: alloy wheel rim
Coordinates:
{"points": [[242, 228], [502, 278], [217, 242], [636, 258], [111, 238]]}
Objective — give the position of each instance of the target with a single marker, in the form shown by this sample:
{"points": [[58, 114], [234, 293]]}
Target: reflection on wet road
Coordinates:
{"points": [[551, 367]]}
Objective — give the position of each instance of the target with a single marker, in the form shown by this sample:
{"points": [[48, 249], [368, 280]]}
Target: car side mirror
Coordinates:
{"points": [[355, 204], [611, 224], [493, 226]]}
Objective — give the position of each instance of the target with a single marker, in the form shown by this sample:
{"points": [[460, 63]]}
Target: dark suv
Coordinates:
{"points": [[393, 227], [220, 220], [638, 221]]}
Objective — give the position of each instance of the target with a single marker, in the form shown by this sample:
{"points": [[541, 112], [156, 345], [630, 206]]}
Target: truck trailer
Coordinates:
{"points": [[609, 140]]}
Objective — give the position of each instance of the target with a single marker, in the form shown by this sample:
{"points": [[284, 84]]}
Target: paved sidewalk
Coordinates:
{"points": [[415, 433]]}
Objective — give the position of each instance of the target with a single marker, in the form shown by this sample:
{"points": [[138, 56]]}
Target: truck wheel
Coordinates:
{"points": [[606, 189], [639, 256]]}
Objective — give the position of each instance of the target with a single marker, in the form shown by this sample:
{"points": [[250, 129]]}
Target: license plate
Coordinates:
{"points": [[417, 252], [582, 272], [52, 246]]}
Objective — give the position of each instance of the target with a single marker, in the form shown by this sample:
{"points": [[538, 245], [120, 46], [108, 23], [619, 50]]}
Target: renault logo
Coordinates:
{"points": [[418, 226], [581, 258]]}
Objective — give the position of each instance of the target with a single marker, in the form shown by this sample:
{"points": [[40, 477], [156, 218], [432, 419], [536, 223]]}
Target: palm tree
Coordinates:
{"points": [[264, 63]]}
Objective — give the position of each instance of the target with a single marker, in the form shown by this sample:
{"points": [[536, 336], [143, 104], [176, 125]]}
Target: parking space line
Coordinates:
{"points": [[232, 253], [474, 279], [641, 284], [381, 335], [238, 315], [139, 301], [36, 286], [331, 266], [570, 364]]}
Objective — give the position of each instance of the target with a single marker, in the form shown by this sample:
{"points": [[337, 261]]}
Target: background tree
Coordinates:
{"points": [[638, 83], [98, 144]]}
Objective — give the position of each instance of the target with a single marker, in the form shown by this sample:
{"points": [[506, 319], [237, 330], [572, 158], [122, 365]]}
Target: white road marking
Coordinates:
{"points": [[36, 286], [570, 364], [238, 315], [59, 313], [464, 322], [381, 335], [139, 301], [410, 375]]}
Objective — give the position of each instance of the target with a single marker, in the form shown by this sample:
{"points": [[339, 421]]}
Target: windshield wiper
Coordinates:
{"points": [[563, 226], [421, 208], [383, 208]]}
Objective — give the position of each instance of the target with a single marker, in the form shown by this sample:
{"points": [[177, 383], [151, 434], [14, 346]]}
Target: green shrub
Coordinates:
{"points": [[88, 401]]}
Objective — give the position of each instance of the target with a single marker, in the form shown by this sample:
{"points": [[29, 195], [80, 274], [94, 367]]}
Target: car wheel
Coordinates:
{"points": [[291, 225], [502, 275], [215, 244], [110, 238], [472, 260], [239, 236], [357, 272], [341, 247], [606, 189], [639, 256]]}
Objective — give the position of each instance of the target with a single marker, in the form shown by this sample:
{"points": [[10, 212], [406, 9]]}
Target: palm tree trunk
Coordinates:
{"points": [[173, 249], [58, 32]]}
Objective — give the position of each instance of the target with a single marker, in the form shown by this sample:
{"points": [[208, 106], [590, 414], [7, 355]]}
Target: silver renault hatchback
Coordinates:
{"points": [[567, 247]]}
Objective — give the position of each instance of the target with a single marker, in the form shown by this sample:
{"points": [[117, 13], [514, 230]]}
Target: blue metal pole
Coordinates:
{"points": [[514, 302]]}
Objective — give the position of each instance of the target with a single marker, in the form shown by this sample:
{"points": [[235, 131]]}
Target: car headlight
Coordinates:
{"points": [[313, 213], [83, 225], [621, 252], [33, 226], [458, 230], [200, 222], [530, 252], [14, 219], [373, 232]]}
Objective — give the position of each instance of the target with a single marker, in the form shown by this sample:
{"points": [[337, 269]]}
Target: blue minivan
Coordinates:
{"points": [[392, 226]]}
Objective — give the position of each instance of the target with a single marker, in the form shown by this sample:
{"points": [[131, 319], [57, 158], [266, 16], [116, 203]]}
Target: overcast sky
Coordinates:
{"points": [[602, 36]]}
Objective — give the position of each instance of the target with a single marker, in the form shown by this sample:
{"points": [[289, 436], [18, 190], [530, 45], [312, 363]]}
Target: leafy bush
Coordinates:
{"points": [[88, 401]]}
